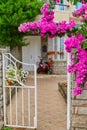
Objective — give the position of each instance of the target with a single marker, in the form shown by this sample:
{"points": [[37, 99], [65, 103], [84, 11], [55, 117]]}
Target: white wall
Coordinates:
{"points": [[31, 52]]}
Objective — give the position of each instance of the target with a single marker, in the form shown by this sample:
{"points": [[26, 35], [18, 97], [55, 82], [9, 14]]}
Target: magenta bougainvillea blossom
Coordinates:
{"points": [[81, 12], [57, 1], [47, 27], [77, 91], [79, 62], [74, 42], [29, 27]]}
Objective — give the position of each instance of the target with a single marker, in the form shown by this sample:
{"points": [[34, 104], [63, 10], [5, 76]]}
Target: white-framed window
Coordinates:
{"points": [[56, 45], [62, 6]]}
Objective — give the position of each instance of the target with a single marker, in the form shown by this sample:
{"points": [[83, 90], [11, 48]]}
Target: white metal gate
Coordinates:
{"points": [[19, 93]]}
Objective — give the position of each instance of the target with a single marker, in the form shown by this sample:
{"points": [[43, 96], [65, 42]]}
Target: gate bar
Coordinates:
{"points": [[29, 106], [35, 119], [10, 107], [16, 107], [4, 94], [22, 106]]}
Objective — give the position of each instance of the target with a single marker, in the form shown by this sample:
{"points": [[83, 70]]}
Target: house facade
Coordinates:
{"points": [[49, 48]]}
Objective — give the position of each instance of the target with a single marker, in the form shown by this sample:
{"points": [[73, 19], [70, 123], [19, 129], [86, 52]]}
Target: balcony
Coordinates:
{"points": [[59, 6], [62, 11]]}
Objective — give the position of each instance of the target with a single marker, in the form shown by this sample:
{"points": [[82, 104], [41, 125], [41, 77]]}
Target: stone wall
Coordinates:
{"points": [[1, 91], [1, 88], [78, 107], [60, 67], [78, 110]]}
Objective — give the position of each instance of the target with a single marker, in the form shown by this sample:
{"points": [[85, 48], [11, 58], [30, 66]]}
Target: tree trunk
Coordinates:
{"points": [[16, 52]]}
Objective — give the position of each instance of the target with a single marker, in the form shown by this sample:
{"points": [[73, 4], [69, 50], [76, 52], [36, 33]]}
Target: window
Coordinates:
{"points": [[58, 47], [78, 5], [55, 47], [61, 48], [61, 6]]}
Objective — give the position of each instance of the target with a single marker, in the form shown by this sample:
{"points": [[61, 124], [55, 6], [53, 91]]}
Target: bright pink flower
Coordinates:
{"points": [[81, 11], [72, 42], [71, 24], [77, 91], [85, 16], [24, 28], [57, 1]]}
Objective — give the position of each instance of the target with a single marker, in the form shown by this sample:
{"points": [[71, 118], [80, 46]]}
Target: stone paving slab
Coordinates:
{"points": [[51, 105]]}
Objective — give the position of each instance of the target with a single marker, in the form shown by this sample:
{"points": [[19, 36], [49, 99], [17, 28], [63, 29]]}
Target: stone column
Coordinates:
{"points": [[78, 108], [1, 88]]}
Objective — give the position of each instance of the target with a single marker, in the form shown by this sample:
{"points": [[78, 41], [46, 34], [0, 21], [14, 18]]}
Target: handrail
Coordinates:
{"points": [[17, 59]]}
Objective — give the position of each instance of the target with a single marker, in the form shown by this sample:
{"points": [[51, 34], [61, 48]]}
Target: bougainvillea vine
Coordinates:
{"points": [[79, 61], [47, 27]]}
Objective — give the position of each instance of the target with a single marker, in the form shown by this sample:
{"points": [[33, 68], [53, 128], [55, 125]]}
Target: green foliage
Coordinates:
{"points": [[6, 128], [12, 14], [84, 45], [74, 1], [80, 29]]}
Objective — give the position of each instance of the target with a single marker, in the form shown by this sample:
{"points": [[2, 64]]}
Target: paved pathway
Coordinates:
{"points": [[51, 105]]}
